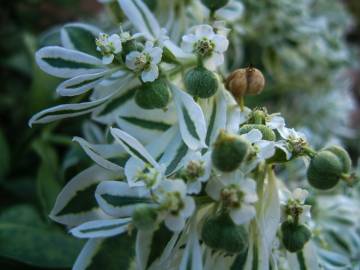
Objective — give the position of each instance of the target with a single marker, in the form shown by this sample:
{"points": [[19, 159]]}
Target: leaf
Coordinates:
{"points": [[101, 228], [4, 156], [38, 246], [65, 63], [80, 37], [143, 248], [160, 239], [141, 17], [97, 156], [47, 180], [133, 146], [117, 199], [76, 203], [80, 84], [111, 253], [191, 119], [65, 111], [22, 214]]}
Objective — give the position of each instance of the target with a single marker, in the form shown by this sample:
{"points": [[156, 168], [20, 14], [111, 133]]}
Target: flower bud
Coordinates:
{"points": [[267, 133], [229, 151], [324, 170], [221, 233], [153, 95], [245, 81], [342, 155], [144, 217], [214, 5], [294, 236], [201, 82]]}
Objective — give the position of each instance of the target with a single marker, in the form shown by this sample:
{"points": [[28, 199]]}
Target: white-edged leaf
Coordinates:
{"points": [[143, 248], [89, 250], [80, 84], [65, 63], [141, 17], [101, 228], [92, 152], [156, 149], [66, 111], [133, 146], [118, 199], [76, 202], [80, 37], [191, 119]]}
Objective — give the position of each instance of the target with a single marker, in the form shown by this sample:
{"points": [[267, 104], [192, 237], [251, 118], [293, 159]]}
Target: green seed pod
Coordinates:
{"points": [[201, 82], [229, 151], [144, 217], [214, 5], [221, 233], [342, 155], [267, 133], [153, 95], [324, 170], [294, 236]]}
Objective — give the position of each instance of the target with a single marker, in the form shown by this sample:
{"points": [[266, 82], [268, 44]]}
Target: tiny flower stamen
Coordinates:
{"points": [[204, 47], [232, 197]]}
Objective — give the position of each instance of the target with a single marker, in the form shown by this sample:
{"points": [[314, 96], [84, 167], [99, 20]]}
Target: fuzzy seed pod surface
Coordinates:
{"points": [[245, 81], [201, 82], [221, 233], [229, 151], [153, 95], [324, 170], [294, 236]]}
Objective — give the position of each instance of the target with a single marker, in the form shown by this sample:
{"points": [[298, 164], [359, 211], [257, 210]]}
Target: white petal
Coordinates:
{"points": [[175, 223], [173, 185], [213, 189], [300, 194], [216, 59], [276, 122], [188, 43], [267, 149], [221, 43], [194, 187], [116, 40], [243, 214], [150, 74], [131, 59], [107, 59], [156, 54], [285, 196], [204, 30], [189, 207], [253, 135]]}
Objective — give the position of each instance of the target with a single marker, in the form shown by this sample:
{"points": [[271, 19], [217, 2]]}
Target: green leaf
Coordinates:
{"points": [[160, 239], [112, 253], [21, 215], [4, 156]]}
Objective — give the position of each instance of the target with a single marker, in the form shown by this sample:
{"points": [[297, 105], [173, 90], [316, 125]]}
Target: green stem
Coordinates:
{"points": [[309, 151]]}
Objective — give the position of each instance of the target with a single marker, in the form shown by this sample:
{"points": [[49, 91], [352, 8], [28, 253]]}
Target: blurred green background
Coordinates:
{"points": [[36, 162]]}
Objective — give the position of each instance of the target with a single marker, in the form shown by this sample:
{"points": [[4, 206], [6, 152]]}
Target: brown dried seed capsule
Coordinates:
{"points": [[245, 81]]}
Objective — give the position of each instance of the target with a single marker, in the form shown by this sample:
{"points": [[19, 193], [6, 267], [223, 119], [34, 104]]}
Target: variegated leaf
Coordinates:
{"points": [[80, 37], [118, 199], [65, 63], [76, 203], [143, 246], [101, 228], [191, 119], [141, 17]]}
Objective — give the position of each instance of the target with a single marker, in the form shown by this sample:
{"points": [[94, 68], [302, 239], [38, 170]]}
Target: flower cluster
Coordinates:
{"points": [[188, 168]]}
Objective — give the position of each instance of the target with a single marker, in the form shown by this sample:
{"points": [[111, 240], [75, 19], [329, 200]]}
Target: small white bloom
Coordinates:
{"points": [[145, 62], [264, 149], [177, 207], [109, 46], [237, 194], [151, 177], [204, 42], [291, 134], [275, 121], [293, 204]]}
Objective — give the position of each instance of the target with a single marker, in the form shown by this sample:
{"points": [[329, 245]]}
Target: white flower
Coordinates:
{"points": [[145, 62], [291, 134], [197, 170], [293, 204], [177, 207], [236, 193], [204, 42], [109, 46], [275, 121]]}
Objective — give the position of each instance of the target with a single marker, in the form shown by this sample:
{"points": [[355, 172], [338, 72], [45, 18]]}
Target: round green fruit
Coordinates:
{"points": [[153, 95], [221, 233], [201, 82], [294, 236], [229, 151], [342, 155], [267, 133], [214, 4], [144, 217], [324, 170]]}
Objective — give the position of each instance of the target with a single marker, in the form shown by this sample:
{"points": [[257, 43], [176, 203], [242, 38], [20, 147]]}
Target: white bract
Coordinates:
{"points": [[293, 205], [109, 46], [204, 42], [146, 62]]}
